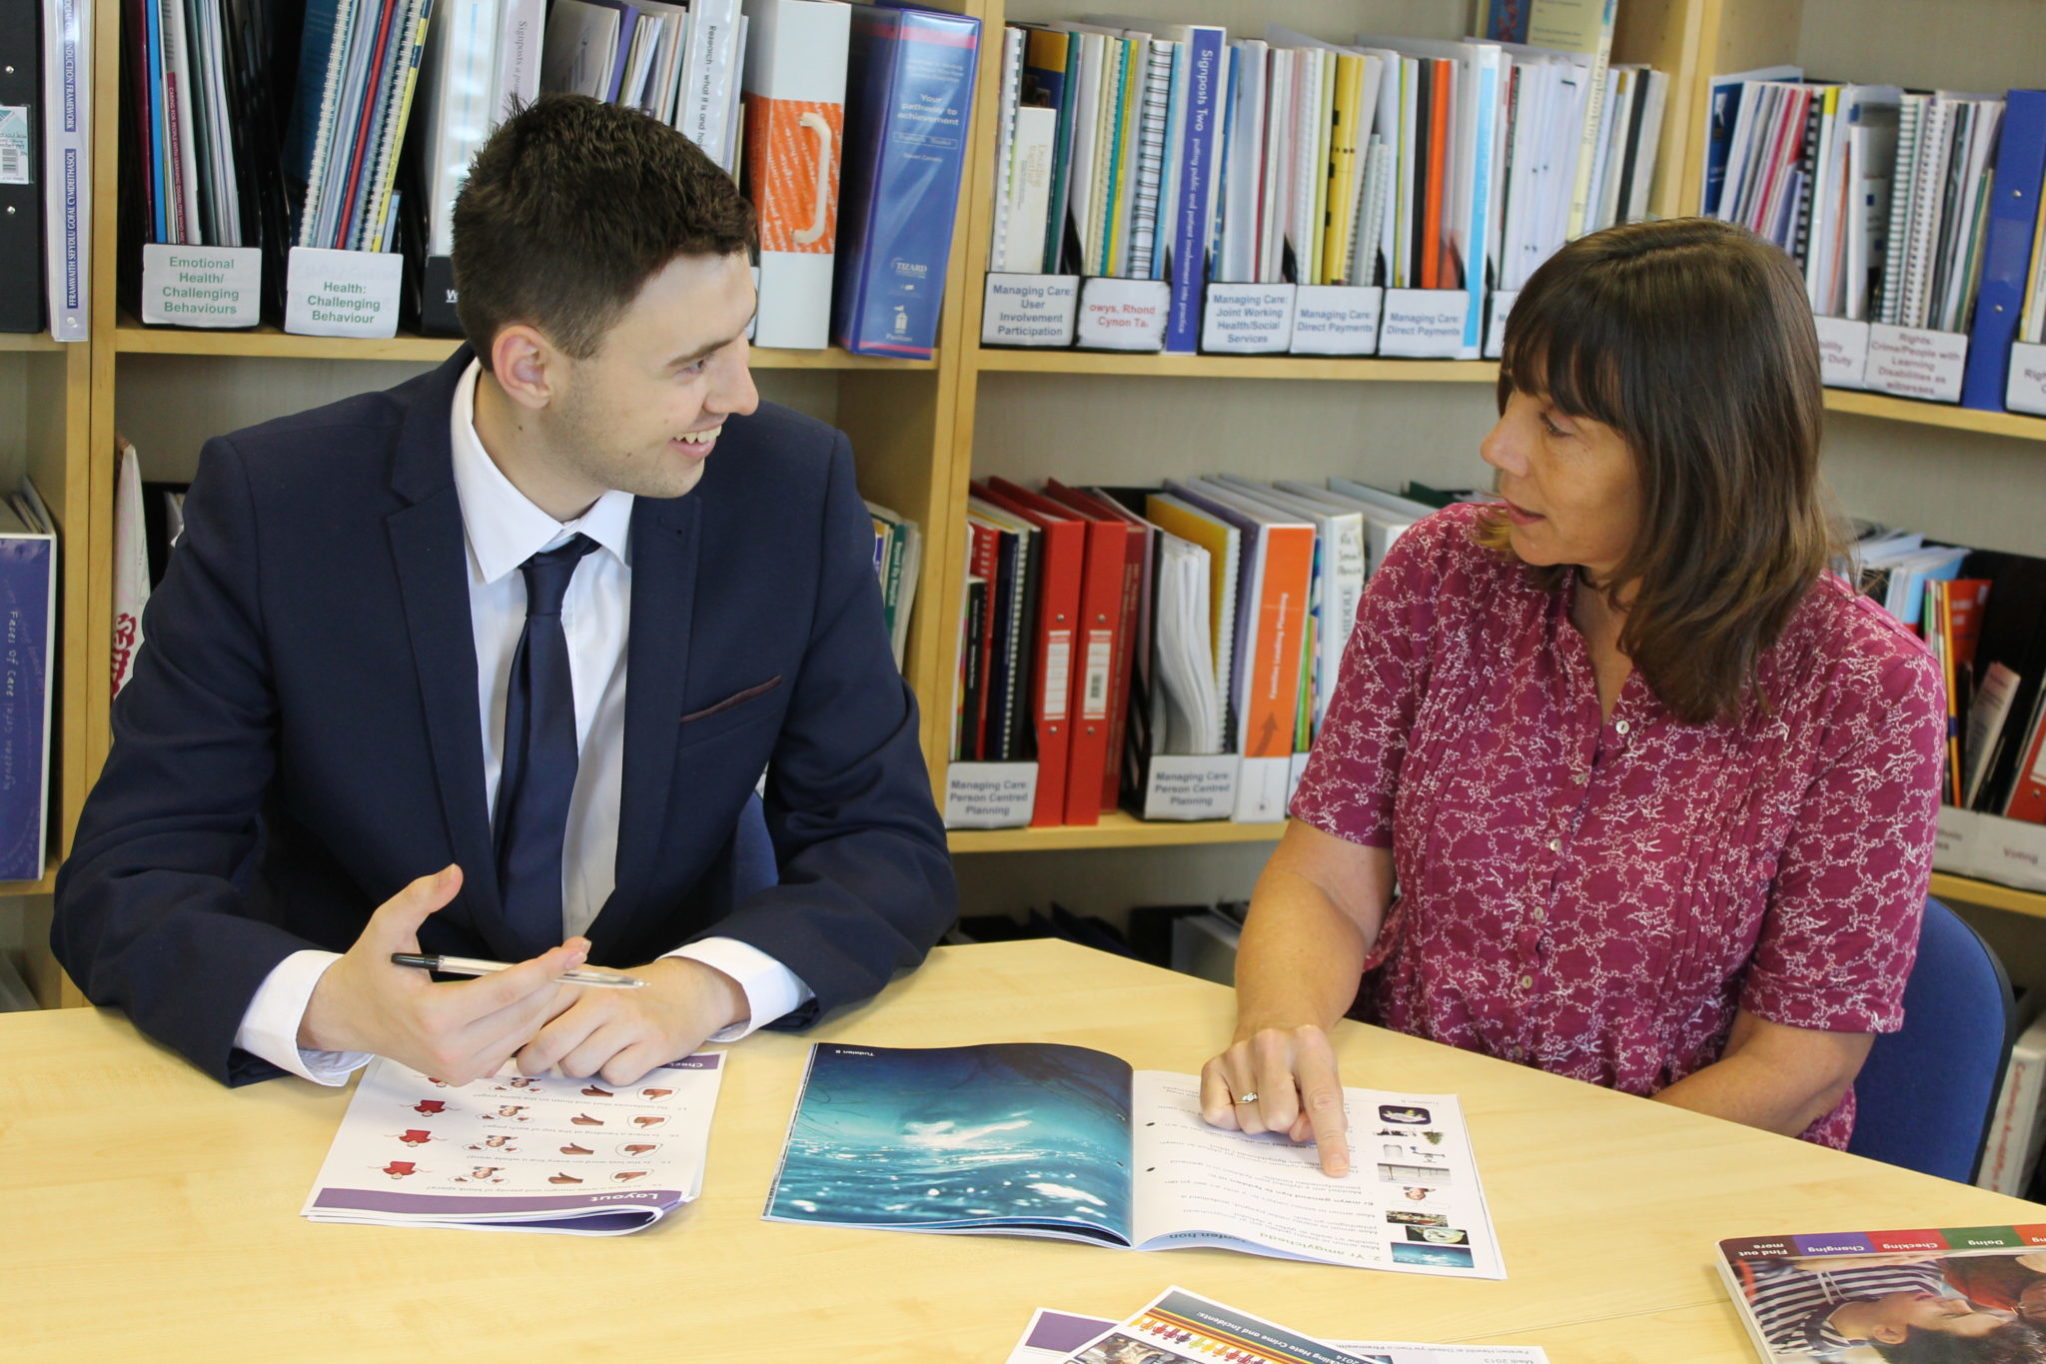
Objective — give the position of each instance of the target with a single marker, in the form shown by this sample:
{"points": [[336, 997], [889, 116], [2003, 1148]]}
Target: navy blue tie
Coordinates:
{"points": [[538, 777]]}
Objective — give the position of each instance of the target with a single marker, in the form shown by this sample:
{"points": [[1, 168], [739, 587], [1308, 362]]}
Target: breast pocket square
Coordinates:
{"points": [[735, 699]]}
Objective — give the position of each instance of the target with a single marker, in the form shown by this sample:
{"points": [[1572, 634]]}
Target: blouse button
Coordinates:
{"points": [[1527, 982], [1555, 845], [1622, 727]]}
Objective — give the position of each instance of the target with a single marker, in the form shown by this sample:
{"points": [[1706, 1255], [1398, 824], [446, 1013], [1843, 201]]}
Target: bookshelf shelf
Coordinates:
{"points": [[1935, 414], [28, 341], [48, 883], [268, 342], [994, 361], [1117, 830], [1968, 890]]}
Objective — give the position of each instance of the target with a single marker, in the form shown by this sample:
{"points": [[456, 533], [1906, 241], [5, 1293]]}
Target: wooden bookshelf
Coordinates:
{"points": [[1880, 405], [990, 360], [1116, 830], [1968, 890], [268, 342], [28, 341], [915, 425]]}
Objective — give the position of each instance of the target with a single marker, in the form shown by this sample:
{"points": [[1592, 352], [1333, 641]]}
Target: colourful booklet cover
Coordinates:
{"points": [[1179, 1327], [1040, 1139], [1952, 1293]]}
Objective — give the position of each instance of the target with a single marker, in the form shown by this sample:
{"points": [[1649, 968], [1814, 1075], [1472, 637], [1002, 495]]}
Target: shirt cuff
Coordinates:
{"points": [[270, 1026], [771, 989]]}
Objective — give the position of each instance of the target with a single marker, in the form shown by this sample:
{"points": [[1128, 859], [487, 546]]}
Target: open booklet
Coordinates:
{"points": [[1178, 1327], [1815, 1299], [519, 1153], [1038, 1139]]}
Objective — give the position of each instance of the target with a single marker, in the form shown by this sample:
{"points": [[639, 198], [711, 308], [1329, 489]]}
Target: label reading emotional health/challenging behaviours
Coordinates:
{"points": [[202, 286]]}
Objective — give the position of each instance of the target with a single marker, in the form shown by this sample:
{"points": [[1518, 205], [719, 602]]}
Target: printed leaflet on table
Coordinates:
{"points": [[1038, 1139], [1178, 1326], [519, 1153]]}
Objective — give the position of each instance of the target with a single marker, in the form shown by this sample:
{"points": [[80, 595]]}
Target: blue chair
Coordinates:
{"points": [[1926, 1094]]}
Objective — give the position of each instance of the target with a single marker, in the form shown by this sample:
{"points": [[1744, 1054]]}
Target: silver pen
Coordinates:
{"points": [[476, 966]]}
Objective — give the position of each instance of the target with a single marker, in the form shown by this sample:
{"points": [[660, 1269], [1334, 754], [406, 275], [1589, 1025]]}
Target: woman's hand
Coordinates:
{"points": [[1281, 1080]]}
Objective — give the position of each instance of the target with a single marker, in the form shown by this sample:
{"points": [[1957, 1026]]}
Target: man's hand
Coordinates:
{"points": [[1292, 1074], [622, 1034], [458, 1031]]}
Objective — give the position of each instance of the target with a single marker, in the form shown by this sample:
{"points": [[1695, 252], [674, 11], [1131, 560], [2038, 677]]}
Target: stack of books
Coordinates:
{"points": [[1172, 153], [1171, 649], [1911, 211], [847, 126]]}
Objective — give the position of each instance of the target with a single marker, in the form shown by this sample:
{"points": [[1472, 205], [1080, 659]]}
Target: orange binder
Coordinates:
{"points": [[1094, 650], [1437, 115], [1283, 582], [1123, 664], [1058, 614]]}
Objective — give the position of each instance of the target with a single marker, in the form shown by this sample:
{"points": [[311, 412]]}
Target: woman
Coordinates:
{"points": [[1656, 791]]}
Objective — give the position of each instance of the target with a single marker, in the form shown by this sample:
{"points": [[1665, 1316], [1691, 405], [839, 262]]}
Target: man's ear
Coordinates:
{"points": [[1890, 1335], [526, 365]]}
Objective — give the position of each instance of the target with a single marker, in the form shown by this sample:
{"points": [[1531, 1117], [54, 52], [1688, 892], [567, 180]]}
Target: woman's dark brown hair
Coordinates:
{"points": [[1692, 339]]}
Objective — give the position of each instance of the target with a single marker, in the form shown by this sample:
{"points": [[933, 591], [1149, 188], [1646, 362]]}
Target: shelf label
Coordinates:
{"points": [[1247, 319], [2025, 391], [1843, 352], [1913, 362], [1501, 304], [989, 795], [342, 293], [202, 286], [1029, 310], [1190, 786], [1991, 848], [1336, 319], [1424, 324], [1124, 314]]}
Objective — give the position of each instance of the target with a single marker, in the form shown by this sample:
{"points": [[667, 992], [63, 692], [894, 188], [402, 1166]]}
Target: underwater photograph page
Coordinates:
{"points": [[1020, 1137]]}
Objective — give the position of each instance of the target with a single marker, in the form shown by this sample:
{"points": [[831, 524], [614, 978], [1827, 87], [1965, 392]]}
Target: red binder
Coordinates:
{"points": [[1100, 510], [985, 563], [1058, 615], [1094, 649], [2028, 790]]}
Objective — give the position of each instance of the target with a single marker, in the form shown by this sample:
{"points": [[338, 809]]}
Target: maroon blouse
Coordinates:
{"points": [[1596, 896]]}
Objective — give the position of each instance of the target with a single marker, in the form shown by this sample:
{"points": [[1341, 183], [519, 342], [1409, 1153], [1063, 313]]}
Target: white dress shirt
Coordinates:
{"points": [[503, 529]]}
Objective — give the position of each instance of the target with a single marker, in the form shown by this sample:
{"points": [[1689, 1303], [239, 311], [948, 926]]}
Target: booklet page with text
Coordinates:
{"points": [[1039, 1139]]}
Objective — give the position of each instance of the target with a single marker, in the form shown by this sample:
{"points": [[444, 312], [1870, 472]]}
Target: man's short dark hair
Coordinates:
{"points": [[570, 207]]}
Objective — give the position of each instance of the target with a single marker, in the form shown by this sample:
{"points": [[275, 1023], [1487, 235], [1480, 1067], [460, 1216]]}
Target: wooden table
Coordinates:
{"points": [[148, 1213]]}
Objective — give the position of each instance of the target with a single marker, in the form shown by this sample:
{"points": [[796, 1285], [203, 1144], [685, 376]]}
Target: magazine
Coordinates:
{"points": [[1178, 1325], [1961, 1293], [519, 1153], [1039, 1139]]}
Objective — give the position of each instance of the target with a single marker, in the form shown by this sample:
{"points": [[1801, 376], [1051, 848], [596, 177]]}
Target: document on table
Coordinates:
{"points": [[519, 1153]]}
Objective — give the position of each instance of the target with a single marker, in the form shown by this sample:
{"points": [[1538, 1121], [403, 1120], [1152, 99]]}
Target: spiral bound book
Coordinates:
{"points": [[519, 1153]]}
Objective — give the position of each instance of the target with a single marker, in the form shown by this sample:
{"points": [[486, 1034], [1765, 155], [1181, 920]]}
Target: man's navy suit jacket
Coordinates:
{"points": [[301, 735]]}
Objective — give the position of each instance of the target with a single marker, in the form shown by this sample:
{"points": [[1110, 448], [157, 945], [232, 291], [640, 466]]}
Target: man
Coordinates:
{"points": [[489, 665]]}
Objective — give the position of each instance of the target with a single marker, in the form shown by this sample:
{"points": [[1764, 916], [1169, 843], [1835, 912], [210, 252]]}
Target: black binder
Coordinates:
{"points": [[21, 177]]}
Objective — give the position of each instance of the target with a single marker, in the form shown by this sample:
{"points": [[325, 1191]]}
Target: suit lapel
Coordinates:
{"points": [[431, 553], [664, 553]]}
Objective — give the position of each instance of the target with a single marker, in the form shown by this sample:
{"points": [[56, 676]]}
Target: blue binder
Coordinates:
{"points": [[2007, 250]]}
